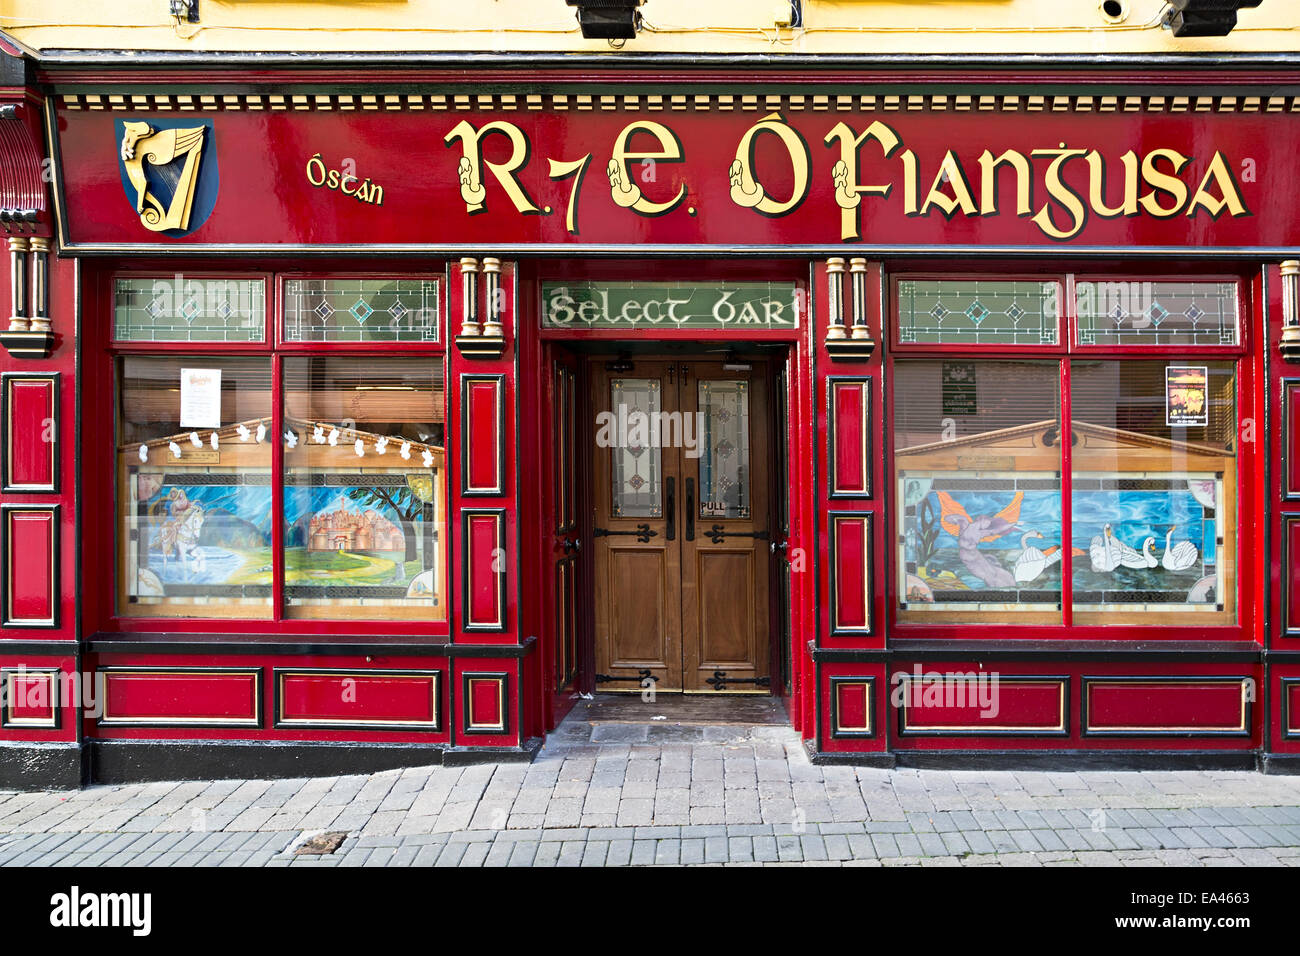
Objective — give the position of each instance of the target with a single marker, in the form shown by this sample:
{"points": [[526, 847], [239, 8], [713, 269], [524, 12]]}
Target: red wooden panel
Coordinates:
{"points": [[29, 451], [32, 586], [483, 435], [486, 703], [31, 698], [851, 573], [981, 705], [482, 564], [852, 706], [1289, 599], [180, 696], [357, 698], [1291, 705], [850, 467], [1165, 706], [1290, 440]]}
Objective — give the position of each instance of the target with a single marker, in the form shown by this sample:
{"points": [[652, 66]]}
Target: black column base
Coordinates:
{"points": [[137, 761], [1279, 763], [32, 766]]}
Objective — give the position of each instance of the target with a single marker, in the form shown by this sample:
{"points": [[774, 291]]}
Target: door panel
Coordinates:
{"points": [[638, 565], [681, 526], [724, 556], [560, 498]]}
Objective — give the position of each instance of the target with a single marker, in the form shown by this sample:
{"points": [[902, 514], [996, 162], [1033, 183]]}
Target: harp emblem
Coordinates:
{"points": [[162, 170]]}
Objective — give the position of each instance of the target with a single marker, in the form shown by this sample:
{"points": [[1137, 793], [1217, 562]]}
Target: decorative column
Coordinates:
{"points": [[469, 326], [492, 280], [40, 305], [1289, 344], [485, 339], [29, 335], [858, 344], [835, 287], [18, 273]]}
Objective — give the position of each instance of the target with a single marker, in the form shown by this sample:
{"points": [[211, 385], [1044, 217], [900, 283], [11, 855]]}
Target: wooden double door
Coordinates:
{"points": [[681, 528]]}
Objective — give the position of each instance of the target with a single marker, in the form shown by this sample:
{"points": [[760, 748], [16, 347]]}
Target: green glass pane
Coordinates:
{"points": [[1157, 313], [978, 312], [361, 310], [183, 309], [724, 464], [637, 460]]}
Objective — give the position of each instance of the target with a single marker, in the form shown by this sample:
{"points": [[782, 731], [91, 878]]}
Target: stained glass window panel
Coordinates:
{"points": [[361, 310], [724, 461], [978, 312], [637, 459], [183, 309], [1157, 313]]}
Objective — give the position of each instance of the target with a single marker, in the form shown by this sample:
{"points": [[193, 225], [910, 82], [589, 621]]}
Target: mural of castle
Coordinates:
{"points": [[340, 529]]}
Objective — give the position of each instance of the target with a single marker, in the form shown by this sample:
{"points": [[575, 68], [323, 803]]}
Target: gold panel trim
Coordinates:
{"points": [[585, 102], [1060, 726], [1242, 726]]}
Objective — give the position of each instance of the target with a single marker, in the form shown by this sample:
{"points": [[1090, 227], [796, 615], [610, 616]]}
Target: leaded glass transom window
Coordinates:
{"points": [[184, 309], [1157, 313], [978, 312], [361, 310], [724, 463]]}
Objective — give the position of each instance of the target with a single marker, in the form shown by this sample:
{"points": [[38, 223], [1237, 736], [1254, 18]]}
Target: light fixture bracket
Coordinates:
{"points": [[1205, 18], [608, 19]]}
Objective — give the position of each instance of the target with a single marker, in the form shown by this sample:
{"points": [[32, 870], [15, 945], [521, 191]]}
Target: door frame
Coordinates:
{"points": [[795, 347]]}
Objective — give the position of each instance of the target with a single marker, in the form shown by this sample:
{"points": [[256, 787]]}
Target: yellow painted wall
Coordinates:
{"points": [[701, 26]]}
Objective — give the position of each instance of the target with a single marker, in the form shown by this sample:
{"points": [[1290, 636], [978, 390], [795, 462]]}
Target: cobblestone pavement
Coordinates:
{"points": [[620, 794]]}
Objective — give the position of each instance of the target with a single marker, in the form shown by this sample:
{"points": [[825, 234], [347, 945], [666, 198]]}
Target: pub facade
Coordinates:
{"points": [[361, 418]]}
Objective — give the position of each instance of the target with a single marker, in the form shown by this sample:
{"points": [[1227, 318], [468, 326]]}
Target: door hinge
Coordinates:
{"points": [[642, 676], [642, 533], [720, 680]]}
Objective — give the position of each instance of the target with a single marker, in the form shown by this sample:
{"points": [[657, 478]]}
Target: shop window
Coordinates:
{"points": [[1154, 482], [318, 491], [978, 312], [363, 488], [194, 487], [360, 310], [978, 465], [184, 309], [1132, 521]]}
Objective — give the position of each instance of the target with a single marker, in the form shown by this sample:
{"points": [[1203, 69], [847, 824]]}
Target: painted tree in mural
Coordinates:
{"points": [[410, 504]]}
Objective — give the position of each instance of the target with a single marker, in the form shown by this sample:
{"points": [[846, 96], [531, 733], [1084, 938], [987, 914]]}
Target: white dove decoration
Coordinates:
{"points": [[213, 441], [174, 448], [244, 433], [195, 440], [261, 432], [318, 435], [334, 436], [405, 450], [144, 454], [360, 447], [291, 439], [427, 458], [381, 446]]}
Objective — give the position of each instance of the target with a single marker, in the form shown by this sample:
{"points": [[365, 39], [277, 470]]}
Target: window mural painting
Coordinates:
{"points": [[978, 542]]}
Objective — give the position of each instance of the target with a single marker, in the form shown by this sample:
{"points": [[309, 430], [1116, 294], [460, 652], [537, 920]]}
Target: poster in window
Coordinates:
{"points": [[200, 398], [1187, 396], [959, 396]]}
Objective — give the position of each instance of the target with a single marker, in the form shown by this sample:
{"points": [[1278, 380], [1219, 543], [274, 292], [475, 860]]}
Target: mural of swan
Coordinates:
{"points": [[1032, 562], [1180, 556], [1133, 558], [1105, 552], [972, 532]]}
